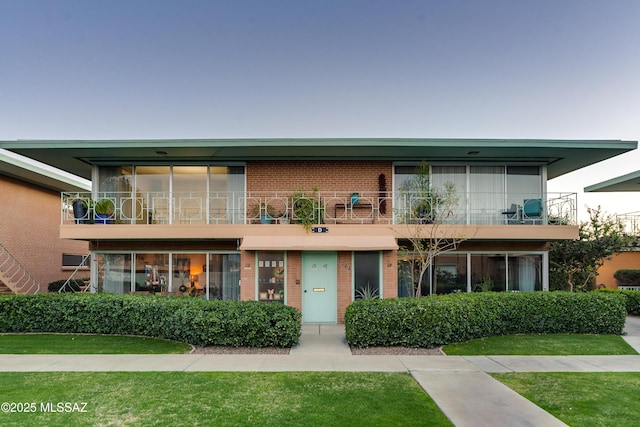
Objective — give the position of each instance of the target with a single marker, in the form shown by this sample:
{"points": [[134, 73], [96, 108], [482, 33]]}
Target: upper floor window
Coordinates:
{"points": [[185, 194], [482, 192]]}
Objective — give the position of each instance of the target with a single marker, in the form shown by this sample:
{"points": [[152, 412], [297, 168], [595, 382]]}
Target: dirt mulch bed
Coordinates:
{"points": [[396, 351], [220, 349], [370, 351]]}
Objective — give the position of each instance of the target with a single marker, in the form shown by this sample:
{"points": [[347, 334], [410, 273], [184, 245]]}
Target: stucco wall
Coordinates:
{"points": [[621, 261]]}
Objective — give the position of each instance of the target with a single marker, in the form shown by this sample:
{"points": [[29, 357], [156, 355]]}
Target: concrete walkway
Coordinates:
{"points": [[460, 385]]}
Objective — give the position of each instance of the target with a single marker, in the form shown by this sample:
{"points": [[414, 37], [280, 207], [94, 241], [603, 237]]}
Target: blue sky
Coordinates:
{"points": [[239, 69]]}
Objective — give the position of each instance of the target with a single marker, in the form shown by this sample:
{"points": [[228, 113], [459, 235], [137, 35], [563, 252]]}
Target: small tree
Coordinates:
{"points": [[574, 263], [426, 209]]}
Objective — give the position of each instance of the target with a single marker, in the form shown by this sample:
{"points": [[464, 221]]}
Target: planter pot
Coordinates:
{"points": [[266, 219], [80, 212], [103, 218]]}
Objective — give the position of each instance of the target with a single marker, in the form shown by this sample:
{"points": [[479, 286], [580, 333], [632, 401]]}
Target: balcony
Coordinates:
{"points": [[327, 207], [631, 222]]}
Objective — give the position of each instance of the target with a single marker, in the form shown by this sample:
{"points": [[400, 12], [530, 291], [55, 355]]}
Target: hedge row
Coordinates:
{"points": [[191, 320], [439, 320], [627, 277], [631, 299]]}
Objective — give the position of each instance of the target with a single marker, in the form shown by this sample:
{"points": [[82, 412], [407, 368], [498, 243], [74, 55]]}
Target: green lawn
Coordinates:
{"points": [[221, 399], [582, 399], [542, 345], [86, 344]]}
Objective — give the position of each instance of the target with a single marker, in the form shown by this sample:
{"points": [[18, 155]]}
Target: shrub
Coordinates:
{"points": [[192, 320], [631, 299], [627, 277], [439, 320], [72, 286]]}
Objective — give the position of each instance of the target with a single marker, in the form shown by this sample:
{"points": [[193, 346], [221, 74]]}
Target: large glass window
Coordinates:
{"points": [[450, 273], [189, 194], [187, 270], [271, 274], [152, 272], [215, 275], [226, 194], [224, 276], [524, 193], [487, 193], [456, 176], [114, 273], [152, 183], [366, 275], [488, 272], [163, 194], [525, 272]]}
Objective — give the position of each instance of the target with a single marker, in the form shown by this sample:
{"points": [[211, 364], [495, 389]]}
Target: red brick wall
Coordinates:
{"points": [[29, 229], [247, 275], [345, 286], [329, 175], [294, 279], [390, 274]]}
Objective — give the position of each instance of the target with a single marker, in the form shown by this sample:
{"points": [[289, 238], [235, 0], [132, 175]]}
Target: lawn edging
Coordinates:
{"points": [[190, 320], [439, 320]]}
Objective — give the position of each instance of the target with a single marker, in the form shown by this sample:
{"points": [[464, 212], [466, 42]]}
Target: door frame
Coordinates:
{"points": [[331, 312]]}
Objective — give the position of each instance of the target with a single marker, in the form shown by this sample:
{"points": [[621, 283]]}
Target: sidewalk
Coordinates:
{"points": [[460, 385]]}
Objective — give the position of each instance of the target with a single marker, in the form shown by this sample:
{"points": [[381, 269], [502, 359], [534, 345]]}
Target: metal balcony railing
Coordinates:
{"points": [[328, 207], [631, 222]]}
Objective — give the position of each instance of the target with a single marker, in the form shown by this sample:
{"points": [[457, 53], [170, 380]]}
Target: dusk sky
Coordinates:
{"points": [[87, 69]]}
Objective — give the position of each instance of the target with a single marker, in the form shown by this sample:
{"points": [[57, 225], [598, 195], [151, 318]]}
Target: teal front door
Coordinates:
{"points": [[319, 287]]}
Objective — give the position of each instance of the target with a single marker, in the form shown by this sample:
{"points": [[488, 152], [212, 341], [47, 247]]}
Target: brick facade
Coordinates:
{"points": [[326, 175], [30, 230]]}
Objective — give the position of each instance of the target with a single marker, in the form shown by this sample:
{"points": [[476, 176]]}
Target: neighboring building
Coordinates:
{"points": [[187, 214], [630, 259], [32, 254]]}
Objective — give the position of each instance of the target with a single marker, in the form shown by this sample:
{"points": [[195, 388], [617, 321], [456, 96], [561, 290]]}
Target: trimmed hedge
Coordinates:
{"points": [[627, 277], [191, 320], [631, 299], [439, 320]]}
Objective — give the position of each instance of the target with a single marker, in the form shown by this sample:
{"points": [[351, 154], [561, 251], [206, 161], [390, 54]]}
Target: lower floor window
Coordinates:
{"points": [[212, 275], [366, 275], [271, 276], [472, 272]]}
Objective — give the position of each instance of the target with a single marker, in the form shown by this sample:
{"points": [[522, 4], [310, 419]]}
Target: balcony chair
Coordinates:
{"points": [[513, 215], [532, 211]]}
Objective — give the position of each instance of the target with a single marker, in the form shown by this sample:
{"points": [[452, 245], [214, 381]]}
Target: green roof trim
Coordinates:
{"points": [[25, 169], [628, 182], [560, 156]]}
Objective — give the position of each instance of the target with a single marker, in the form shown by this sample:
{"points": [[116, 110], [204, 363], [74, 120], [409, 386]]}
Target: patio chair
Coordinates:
{"points": [[532, 211]]}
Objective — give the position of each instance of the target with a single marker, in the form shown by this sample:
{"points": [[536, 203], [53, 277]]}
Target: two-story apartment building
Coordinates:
{"points": [[315, 223], [630, 258], [31, 251]]}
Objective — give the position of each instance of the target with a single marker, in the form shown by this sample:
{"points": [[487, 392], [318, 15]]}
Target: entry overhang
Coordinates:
{"points": [[319, 242]]}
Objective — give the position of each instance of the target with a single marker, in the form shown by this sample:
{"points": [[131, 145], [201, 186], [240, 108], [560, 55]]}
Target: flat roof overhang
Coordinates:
{"points": [[23, 169], [628, 182], [560, 156]]}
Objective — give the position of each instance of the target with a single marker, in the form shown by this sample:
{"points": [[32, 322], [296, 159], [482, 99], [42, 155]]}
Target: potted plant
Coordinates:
{"points": [[104, 209], [264, 212], [306, 208], [80, 211]]}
